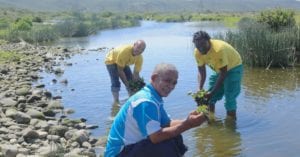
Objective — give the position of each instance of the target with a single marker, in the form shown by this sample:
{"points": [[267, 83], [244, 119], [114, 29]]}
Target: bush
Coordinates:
{"points": [[66, 28], [277, 18], [37, 19], [23, 24]]}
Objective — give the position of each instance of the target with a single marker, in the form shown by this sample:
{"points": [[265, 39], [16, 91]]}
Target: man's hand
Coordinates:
{"points": [[136, 76], [195, 119], [208, 95]]}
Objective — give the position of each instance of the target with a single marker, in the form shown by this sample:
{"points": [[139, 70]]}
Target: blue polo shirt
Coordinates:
{"points": [[141, 115]]}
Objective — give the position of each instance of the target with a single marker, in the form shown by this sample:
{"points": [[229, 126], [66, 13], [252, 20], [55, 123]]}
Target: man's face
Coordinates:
{"points": [[165, 83], [138, 48], [202, 45]]}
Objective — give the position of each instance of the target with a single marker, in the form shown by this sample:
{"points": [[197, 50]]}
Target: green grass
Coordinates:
{"points": [[231, 21]]}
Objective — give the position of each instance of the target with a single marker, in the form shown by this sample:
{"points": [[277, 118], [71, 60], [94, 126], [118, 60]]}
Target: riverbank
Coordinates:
{"points": [[33, 121]]}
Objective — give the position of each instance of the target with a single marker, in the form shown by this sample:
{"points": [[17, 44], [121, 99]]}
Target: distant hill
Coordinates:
{"points": [[150, 5]]}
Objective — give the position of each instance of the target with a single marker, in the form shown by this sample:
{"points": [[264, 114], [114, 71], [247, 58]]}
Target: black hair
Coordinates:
{"points": [[200, 35]]}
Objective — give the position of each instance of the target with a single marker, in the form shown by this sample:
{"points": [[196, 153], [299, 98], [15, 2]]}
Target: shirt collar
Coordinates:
{"points": [[154, 92]]}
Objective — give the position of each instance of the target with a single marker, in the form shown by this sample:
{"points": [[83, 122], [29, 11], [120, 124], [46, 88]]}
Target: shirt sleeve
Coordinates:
{"points": [[147, 117], [138, 64], [165, 119], [199, 59]]}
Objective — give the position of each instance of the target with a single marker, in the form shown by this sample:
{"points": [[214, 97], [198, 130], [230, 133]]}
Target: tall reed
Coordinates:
{"points": [[259, 46]]}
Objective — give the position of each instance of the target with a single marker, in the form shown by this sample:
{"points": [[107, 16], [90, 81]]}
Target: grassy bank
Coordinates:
{"points": [[229, 19], [43, 27]]}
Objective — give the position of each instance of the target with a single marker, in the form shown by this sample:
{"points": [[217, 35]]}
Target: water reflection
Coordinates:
{"points": [[263, 84], [218, 138]]}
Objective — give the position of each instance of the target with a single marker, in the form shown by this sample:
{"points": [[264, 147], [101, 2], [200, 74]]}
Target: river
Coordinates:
{"points": [[268, 113]]}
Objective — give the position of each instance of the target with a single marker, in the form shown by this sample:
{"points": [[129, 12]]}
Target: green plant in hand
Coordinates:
{"points": [[199, 97], [203, 109], [136, 85], [202, 102]]}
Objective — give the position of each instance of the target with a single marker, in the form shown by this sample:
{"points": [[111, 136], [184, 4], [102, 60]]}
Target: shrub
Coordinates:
{"points": [[66, 28], [37, 19], [23, 24], [277, 18]]}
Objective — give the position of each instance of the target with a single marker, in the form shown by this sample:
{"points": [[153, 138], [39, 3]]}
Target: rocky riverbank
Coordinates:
{"points": [[32, 120]]}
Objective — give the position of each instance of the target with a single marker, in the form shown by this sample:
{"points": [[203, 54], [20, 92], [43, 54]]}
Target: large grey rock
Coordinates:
{"points": [[23, 91], [35, 114], [4, 130], [55, 104], [11, 112], [29, 135], [80, 136], [22, 118], [9, 150], [50, 150], [8, 102], [58, 130]]}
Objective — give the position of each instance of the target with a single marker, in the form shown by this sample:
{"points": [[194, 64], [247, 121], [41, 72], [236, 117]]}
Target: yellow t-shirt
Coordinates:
{"points": [[122, 56], [219, 55]]}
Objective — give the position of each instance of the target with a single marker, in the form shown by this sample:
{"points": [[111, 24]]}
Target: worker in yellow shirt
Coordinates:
{"points": [[226, 63], [118, 61]]}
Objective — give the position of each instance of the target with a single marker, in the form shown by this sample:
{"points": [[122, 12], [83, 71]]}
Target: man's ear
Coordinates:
{"points": [[154, 77]]}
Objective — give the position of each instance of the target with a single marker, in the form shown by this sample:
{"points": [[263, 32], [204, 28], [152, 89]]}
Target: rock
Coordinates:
{"points": [[34, 98], [58, 130], [24, 151], [49, 113], [86, 145], [23, 91], [4, 130], [22, 118], [49, 150], [69, 134], [69, 111], [9, 150], [4, 70], [42, 134], [55, 104], [35, 114], [70, 122], [53, 138], [80, 136], [64, 81], [43, 125], [29, 135], [91, 126], [8, 102], [58, 71], [48, 94], [11, 112], [40, 86], [37, 92]]}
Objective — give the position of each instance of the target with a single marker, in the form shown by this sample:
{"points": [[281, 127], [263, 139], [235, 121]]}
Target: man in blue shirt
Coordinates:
{"points": [[142, 126]]}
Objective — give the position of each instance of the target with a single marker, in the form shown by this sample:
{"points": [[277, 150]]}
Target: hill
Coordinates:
{"points": [[150, 6]]}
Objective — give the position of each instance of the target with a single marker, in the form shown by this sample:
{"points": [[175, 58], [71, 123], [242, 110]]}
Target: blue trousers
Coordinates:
{"points": [[114, 76], [169, 148]]}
